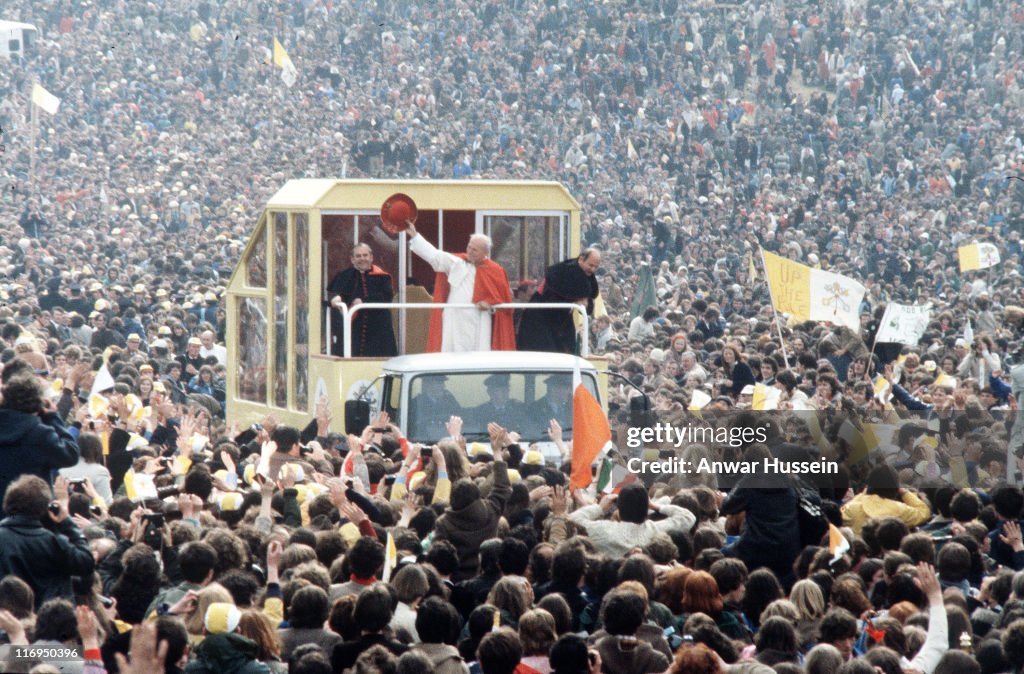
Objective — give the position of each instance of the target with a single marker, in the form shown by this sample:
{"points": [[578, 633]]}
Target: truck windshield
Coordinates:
{"points": [[520, 401]]}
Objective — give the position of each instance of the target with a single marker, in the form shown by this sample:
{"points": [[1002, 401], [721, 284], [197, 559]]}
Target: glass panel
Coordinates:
{"points": [[251, 374], [256, 263], [280, 309], [506, 237], [301, 267], [526, 404]]}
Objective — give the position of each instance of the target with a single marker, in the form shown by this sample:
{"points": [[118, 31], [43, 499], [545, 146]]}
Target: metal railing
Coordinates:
{"points": [[348, 313]]}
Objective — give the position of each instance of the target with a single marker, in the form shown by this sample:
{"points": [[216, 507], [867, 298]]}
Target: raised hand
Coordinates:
{"points": [[15, 630], [146, 656], [352, 513], [929, 582], [87, 628], [559, 505], [555, 431], [454, 427], [1012, 536]]}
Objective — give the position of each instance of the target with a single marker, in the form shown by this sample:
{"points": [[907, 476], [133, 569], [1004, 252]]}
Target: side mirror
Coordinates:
{"points": [[640, 411], [357, 416]]}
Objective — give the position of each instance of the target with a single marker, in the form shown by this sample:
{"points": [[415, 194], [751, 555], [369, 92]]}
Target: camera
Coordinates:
{"points": [[153, 534], [155, 520], [426, 453], [257, 427], [54, 507], [389, 479], [164, 492], [77, 485]]}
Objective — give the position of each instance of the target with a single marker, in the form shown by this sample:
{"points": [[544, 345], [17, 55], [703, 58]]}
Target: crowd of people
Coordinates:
{"points": [[143, 530]]}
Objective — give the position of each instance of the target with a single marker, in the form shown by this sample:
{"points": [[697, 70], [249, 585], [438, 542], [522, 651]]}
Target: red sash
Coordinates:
{"points": [[491, 286]]}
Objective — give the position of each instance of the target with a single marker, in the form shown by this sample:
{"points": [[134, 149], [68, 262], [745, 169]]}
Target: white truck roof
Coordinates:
{"points": [[486, 361]]}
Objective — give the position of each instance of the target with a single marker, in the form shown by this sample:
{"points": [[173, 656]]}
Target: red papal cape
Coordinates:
{"points": [[491, 286]]}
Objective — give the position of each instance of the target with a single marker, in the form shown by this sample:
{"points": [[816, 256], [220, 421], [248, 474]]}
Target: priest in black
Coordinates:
{"points": [[372, 332], [571, 282]]}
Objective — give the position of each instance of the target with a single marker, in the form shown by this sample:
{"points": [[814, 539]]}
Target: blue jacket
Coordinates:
{"points": [[33, 444], [44, 559]]}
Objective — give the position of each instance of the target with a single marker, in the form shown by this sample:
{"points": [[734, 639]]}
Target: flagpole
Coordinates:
{"points": [[34, 125], [771, 298]]}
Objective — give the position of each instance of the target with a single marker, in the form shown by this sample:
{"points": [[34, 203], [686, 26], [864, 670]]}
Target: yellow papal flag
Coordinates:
{"points": [[978, 256], [44, 99], [390, 558], [808, 294], [630, 150], [280, 55], [289, 74]]}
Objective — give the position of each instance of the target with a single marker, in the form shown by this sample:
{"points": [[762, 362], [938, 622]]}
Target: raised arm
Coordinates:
{"points": [[438, 259]]}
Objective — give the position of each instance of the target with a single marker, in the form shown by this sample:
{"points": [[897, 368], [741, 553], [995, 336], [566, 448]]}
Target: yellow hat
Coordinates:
{"points": [[100, 305], [478, 449], [350, 533], [230, 501], [295, 470], [221, 617], [533, 458], [95, 286], [164, 330], [139, 288], [249, 473], [514, 476], [161, 292]]}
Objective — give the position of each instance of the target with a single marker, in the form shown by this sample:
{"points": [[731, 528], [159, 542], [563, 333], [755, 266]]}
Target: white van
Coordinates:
{"points": [[17, 39], [537, 386]]}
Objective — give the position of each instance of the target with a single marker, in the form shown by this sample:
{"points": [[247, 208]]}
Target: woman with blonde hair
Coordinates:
{"points": [[214, 593], [809, 600], [538, 634], [255, 625], [511, 598]]}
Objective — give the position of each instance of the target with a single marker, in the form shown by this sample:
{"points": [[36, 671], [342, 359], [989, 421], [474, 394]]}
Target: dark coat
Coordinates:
{"points": [[226, 654], [33, 444], [771, 532], [468, 525], [293, 637], [346, 653], [44, 559], [554, 329], [372, 331]]}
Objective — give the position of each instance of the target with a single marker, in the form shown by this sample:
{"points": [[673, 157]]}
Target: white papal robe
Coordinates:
{"points": [[462, 329]]}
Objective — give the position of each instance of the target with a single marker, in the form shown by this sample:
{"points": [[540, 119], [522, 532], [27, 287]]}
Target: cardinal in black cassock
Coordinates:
{"points": [[372, 332], [571, 281]]}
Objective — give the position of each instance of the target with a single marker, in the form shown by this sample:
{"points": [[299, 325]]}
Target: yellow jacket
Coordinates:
{"points": [[912, 510]]}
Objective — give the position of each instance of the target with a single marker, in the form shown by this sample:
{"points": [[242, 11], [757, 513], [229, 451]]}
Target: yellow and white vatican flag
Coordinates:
{"points": [[808, 294], [281, 59], [978, 256], [765, 397], [390, 558], [44, 99], [837, 543]]}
